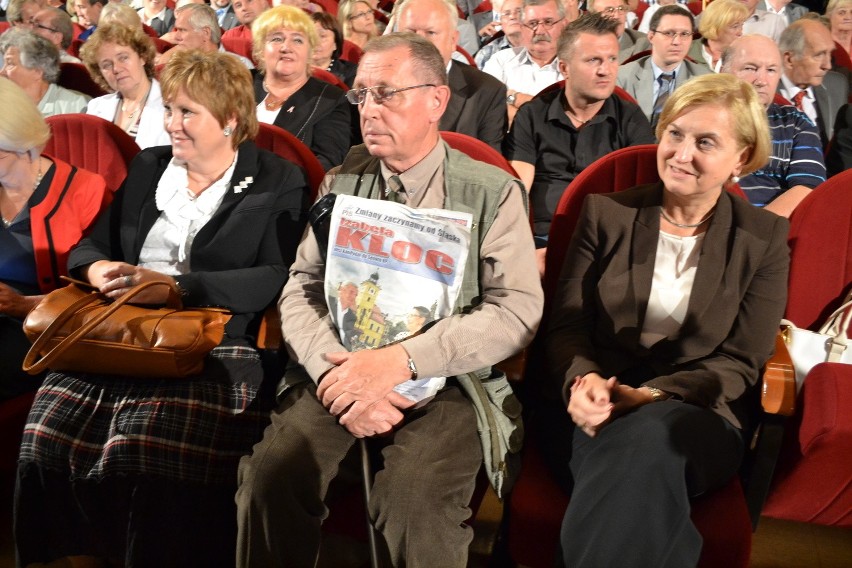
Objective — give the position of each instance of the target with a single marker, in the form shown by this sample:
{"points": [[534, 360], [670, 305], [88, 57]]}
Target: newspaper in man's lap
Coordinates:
{"points": [[390, 270]]}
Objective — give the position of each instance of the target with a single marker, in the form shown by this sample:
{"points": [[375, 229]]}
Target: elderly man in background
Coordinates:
{"points": [[247, 12], [511, 12], [651, 79], [557, 135], [55, 26], [527, 70], [808, 81], [477, 104], [629, 41], [796, 163], [21, 12], [432, 453], [196, 27]]}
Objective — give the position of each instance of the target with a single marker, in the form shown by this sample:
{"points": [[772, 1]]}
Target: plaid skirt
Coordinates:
{"points": [[192, 430]]}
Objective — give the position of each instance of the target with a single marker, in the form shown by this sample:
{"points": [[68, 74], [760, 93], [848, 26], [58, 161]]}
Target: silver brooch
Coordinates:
{"points": [[243, 184]]}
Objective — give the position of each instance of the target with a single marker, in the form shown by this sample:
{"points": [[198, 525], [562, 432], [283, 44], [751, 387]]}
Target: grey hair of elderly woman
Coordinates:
{"points": [[35, 52], [24, 130]]}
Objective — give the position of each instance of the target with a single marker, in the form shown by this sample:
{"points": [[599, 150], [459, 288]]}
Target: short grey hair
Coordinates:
{"points": [[428, 63], [203, 16], [450, 7], [793, 39], [35, 52], [13, 10], [560, 7]]}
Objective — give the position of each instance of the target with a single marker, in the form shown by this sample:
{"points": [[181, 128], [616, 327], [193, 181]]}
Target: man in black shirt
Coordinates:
{"points": [[556, 135]]}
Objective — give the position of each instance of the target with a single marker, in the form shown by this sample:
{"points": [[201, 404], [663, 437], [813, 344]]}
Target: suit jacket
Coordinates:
{"points": [[164, 25], [229, 20], [632, 42], [839, 157], [239, 259], [348, 324], [637, 78], [319, 115], [477, 106], [830, 96], [793, 11], [728, 332]]}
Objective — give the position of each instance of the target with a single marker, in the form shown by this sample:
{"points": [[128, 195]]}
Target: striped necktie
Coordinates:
{"points": [[666, 81]]}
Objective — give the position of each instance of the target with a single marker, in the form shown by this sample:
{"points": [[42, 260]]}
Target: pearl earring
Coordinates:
{"points": [[227, 131]]}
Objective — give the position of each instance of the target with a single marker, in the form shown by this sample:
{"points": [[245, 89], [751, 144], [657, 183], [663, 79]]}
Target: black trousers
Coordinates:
{"points": [[13, 348], [630, 485]]}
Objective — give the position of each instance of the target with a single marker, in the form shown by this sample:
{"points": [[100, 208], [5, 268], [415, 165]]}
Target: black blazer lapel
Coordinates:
{"points": [[458, 96], [643, 254]]}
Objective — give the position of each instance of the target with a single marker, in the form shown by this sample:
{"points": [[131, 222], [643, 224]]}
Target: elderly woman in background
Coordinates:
{"points": [[326, 54], [721, 23], [118, 13], [839, 13], [667, 308], [358, 22], [47, 206], [314, 111], [121, 60], [143, 471], [32, 62]]}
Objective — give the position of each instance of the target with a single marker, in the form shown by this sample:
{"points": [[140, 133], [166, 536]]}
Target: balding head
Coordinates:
{"points": [[756, 60], [435, 20]]}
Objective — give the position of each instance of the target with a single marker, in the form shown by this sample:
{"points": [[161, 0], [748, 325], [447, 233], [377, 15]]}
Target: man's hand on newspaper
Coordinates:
{"points": [[362, 378], [379, 418]]}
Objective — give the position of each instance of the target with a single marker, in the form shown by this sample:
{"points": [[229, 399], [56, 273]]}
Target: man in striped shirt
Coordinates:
{"points": [[796, 164]]}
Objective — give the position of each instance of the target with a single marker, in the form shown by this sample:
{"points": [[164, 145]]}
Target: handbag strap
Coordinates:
{"points": [[34, 367], [837, 326]]}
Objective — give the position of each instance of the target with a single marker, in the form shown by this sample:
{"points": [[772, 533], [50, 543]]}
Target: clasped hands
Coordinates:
{"points": [[359, 389], [595, 401]]}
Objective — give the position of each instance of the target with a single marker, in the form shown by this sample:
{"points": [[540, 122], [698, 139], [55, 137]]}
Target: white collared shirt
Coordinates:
{"points": [[516, 69], [789, 90]]}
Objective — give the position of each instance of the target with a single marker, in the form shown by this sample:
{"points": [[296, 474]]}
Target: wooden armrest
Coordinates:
{"points": [[779, 381], [269, 333], [514, 366]]}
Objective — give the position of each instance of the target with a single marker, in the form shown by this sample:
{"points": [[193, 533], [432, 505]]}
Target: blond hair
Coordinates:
{"points": [[719, 15], [24, 130], [282, 17]]}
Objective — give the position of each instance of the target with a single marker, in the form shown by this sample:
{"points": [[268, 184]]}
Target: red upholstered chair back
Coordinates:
{"points": [[351, 52], [75, 76], [329, 77], [821, 257], [617, 171], [638, 54], [290, 148], [478, 150], [238, 45], [92, 143], [4, 25], [329, 6], [470, 60]]}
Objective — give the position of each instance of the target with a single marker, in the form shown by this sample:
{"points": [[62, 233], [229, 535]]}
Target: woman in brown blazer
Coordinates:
{"points": [[666, 310]]}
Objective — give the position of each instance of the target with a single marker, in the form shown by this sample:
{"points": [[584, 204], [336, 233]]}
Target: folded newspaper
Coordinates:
{"points": [[390, 270]]}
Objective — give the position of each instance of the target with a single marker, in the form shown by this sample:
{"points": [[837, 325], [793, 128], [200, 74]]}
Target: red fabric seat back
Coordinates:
{"points": [[329, 77], [821, 252], [284, 144], [329, 6], [92, 143], [238, 45], [351, 52], [478, 150], [75, 76]]}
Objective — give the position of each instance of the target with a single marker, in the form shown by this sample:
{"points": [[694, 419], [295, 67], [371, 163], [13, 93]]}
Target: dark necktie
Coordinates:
{"points": [[666, 80], [395, 189]]}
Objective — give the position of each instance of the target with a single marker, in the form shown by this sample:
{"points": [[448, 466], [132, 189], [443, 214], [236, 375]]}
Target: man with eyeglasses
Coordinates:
{"points": [[20, 13], [652, 78], [630, 41], [513, 31], [55, 26], [477, 100], [527, 70], [432, 452], [796, 164], [560, 133], [247, 12]]}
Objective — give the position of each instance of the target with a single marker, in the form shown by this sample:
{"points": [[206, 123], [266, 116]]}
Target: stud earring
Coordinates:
{"points": [[227, 131], [735, 179]]}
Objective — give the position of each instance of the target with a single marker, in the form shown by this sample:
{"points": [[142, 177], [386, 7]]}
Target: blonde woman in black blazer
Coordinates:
{"points": [[666, 310]]}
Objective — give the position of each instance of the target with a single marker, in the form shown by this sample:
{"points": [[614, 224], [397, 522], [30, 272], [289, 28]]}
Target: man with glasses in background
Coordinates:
{"points": [[559, 134], [432, 453], [527, 70], [55, 26], [652, 78], [510, 24], [629, 41]]}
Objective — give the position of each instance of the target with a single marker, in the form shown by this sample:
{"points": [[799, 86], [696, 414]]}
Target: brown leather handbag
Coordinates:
{"points": [[80, 329]]}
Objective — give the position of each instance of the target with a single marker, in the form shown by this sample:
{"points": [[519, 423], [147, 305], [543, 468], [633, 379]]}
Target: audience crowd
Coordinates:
{"points": [[742, 96]]}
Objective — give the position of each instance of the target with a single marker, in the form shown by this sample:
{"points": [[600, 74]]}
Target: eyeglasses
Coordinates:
{"points": [[381, 94], [612, 10], [43, 27], [511, 13], [360, 15], [670, 35], [546, 24]]}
